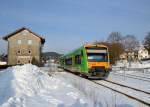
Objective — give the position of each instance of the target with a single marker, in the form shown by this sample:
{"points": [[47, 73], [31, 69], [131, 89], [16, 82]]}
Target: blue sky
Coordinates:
{"points": [[67, 24]]}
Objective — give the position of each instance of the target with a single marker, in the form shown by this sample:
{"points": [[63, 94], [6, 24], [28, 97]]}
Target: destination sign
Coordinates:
{"points": [[96, 51]]}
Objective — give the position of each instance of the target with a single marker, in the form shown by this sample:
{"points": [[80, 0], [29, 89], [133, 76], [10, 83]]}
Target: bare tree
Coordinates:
{"points": [[115, 37], [147, 42], [115, 49], [115, 45], [130, 42]]}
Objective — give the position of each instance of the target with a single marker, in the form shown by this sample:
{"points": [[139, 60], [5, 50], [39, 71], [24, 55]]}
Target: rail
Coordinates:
{"points": [[123, 90], [143, 78]]}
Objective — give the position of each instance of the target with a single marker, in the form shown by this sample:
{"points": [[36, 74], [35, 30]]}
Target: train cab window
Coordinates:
{"points": [[97, 54], [97, 57], [78, 59], [68, 61]]}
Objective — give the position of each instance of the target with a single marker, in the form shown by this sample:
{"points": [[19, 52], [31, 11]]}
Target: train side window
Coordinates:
{"points": [[78, 59], [81, 53], [68, 61]]}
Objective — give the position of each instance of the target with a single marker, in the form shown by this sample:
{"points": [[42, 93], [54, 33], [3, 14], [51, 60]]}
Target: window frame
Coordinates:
{"points": [[19, 52], [18, 62], [19, 42], [30, 42], [78, 59], [29, 51]]}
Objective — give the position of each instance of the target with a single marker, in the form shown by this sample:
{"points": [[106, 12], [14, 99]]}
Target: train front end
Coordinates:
{"points": [[97, 60]]}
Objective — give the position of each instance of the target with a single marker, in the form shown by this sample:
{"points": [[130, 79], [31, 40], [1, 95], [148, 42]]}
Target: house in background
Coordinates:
{"points": [[139, 53], [24, 46], [142, 53]]}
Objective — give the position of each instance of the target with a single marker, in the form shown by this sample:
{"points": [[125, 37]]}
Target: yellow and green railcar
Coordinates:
{"points": [[90, 60]]}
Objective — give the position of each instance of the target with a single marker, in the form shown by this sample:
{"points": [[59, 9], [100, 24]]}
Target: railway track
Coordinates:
{"points": [[133, 76], [130, 92], [146, 92], [142, 70], [135, 94]]}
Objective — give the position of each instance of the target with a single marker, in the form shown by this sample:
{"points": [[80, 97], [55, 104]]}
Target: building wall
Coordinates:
{"points": [[135, 55], [142, 54], [23, 47]]}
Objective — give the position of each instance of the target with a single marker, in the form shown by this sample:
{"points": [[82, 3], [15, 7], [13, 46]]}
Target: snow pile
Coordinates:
{"points": [[27, 86], [3, 63]]}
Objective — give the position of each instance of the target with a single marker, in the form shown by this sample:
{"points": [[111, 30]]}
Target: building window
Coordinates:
{"points": [[29, 51], [18, 62], [18, 52], [29, 42], [23, 51], [19, 42]]}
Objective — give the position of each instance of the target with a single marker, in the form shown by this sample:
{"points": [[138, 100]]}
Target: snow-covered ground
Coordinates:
{"points": [[135, 64], [28, 86], [101, 96], [140, 69], [132, 82]]}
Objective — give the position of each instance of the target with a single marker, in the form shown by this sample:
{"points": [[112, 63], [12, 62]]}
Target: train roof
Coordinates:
{"points": [[95, 45], [71, 52], [84, 46]]}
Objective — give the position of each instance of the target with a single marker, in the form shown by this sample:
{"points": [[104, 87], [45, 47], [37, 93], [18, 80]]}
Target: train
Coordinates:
{"points": [[89, 60]]}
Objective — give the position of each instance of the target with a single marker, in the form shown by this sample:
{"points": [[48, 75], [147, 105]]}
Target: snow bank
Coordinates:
{"points": [[3, 63], [27, 86]]}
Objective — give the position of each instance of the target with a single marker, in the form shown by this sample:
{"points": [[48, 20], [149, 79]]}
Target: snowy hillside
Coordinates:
{"points": [[27, 86]]}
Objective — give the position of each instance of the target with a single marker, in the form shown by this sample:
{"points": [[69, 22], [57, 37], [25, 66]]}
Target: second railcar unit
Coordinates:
{"points": [[90, 60]]}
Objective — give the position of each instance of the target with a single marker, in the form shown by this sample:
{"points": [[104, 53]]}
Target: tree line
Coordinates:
{"points": [[118, 44]]}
